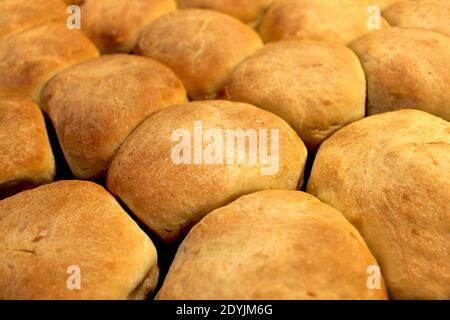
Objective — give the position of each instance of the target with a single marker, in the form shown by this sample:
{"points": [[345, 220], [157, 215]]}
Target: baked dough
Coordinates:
{"points": [[115, 25], [32, 57], [26, 158], [406, 68], [95, 105], [389, 175], [45, 231], [272, 245], [384, 4], [425, 14], [201, 46], [171, 196], [74, 2], [340, 21], [316, 87], [248, 11], [18, 15]]}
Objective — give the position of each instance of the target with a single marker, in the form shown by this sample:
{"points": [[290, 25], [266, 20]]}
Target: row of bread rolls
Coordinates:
{"points": [[317, 96], [267, 245], [222, 43], [112, 30], [89, 105], [389, 175]]}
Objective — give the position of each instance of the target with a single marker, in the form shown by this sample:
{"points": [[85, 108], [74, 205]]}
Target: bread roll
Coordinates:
{"points": [[272, 245], [115, 25], [425, 14], [316, 87], [390, 176], [26, 158], [332, 21], [95, 105], [171, 188], [30, 58], [406, 68], [201, 46], [248, 11], [66, 230], [18, 15]]}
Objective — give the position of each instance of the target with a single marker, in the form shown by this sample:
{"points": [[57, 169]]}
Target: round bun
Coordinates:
{"points": [[323, 20], [18, 15], [66, 231], [406, 68], [248, 11], [32, 57], [272, 245], [95, 105], [316, 87], [201, 46], [26, 158], [115, 25], [425, 14], [170, 189], [390, 176]]}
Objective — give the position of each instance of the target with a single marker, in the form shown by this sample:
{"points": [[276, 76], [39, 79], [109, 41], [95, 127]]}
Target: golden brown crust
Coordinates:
{"points": [[272, 245], [425, 14], [18, 15], [75, 2], [170, 198], [115, 25], [26, 158], [30, 58], [248, 11], [316, 87], [71, 223], [95, 105], [406, 68], [390, 176], [323, 20], [201, 46], [383, 4]]}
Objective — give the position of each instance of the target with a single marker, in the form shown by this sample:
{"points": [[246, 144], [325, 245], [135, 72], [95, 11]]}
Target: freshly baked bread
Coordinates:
{"points": [[201, 46], [406, 68], [18, 15], [425, 14], [115, 25], [324, 20], [70, 231], [272, 245], [248, 11], [390, 176], [26, 158], [30, 58], [316, 87], [187, 160], [95, 105]]}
